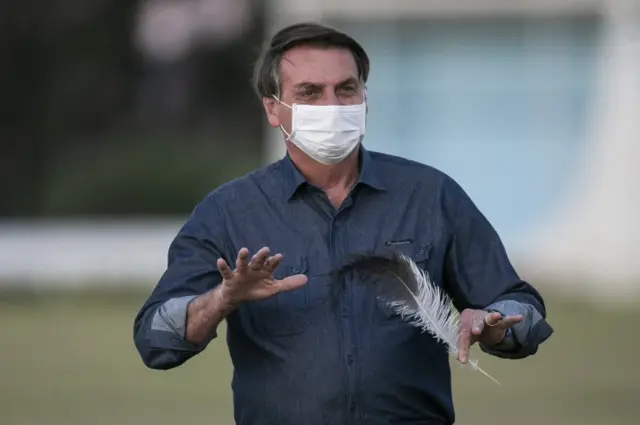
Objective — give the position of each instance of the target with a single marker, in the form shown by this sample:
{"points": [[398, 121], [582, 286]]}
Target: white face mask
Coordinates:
{"points": [[327, 133]]}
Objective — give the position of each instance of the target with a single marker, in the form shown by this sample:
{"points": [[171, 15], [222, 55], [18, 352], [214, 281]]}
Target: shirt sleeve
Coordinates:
{"points": [[479, 275], [159, 327]]}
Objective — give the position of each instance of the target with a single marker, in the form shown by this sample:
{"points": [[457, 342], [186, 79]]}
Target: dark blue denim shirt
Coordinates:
{"points": [[330, 353]]}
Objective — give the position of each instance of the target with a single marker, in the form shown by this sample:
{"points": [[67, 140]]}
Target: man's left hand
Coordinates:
{"points": [[483, 327]]}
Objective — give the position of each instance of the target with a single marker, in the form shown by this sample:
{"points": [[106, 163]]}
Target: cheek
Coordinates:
{"points": [[278, 116], [356, 99], [284, 118]]}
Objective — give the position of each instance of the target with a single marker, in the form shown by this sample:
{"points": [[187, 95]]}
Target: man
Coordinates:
{"points": [[258, 252]]}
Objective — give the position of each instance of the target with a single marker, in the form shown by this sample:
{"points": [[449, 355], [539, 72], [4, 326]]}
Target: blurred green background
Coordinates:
{"points": [[70, 360]]}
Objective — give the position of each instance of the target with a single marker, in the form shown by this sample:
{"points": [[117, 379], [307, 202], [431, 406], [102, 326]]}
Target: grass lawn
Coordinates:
{"points": [[70, 360]]}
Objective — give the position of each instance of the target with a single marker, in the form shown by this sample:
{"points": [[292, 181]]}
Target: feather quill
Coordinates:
{"points": [[408, 290]]}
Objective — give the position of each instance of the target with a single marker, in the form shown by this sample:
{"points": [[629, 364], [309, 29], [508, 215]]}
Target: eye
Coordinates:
{"points": [[307, 94], [348, 90]]}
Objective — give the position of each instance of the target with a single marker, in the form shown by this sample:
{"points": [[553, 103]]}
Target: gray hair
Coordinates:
{"points": [[266, 75]]}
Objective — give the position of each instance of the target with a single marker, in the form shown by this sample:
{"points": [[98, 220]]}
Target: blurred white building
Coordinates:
{"points": [[532, 105]]}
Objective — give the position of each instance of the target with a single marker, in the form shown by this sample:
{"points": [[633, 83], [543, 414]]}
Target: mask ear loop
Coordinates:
{"points": [[365, 100], [366, 104], [281, 127]]}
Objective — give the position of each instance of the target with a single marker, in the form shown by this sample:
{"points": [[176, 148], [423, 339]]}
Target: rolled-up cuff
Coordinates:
{"points": [[169, 326], [527, 335]]}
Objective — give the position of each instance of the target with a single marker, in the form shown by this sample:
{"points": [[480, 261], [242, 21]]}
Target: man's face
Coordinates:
{"points": [[315, 76]]}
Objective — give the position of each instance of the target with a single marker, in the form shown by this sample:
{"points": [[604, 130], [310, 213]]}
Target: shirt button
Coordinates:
{"points": [[349, 359], [345, 313]]}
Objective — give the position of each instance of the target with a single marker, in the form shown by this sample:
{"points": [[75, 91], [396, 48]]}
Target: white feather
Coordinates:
{"points": [[433, 311]]}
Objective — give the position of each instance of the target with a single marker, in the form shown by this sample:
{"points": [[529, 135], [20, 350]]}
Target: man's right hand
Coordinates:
{"points": [[253, 279]]}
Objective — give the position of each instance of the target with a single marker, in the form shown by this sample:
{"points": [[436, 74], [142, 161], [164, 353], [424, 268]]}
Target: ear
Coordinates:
{"points": [[270, 108]]}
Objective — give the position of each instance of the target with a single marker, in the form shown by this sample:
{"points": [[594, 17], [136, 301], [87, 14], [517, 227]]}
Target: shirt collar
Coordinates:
{"points": [[293, 179]]}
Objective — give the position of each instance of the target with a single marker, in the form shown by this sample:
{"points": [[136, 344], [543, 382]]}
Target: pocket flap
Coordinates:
{"points": [[291, 265], [418, 251]]}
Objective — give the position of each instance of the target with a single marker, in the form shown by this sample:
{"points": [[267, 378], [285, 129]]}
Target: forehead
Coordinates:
{"points": [[317, 65]]}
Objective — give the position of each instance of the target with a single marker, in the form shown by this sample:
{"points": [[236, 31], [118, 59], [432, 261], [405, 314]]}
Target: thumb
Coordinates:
{"points": [[291, 282]]}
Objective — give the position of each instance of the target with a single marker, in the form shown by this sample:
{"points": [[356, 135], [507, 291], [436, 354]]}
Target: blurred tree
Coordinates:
{"points": [[71, 86], [22, 132], [67, 70], [109, 178]]}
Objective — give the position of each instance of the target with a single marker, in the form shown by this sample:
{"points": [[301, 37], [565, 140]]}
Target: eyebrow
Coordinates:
{"points": [[315, 86]]}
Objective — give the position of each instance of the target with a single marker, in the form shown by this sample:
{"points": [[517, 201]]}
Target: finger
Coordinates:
{"points": [[464, 343], [257, 261], [290, 283], [272, 263], [492, 319], [224, 269], [477, 325], [241, 261], [510, 321]]}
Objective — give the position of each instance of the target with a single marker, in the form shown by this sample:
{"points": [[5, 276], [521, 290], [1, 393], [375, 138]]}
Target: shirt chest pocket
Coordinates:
{"points": [[290, 312], [419, 252]]}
